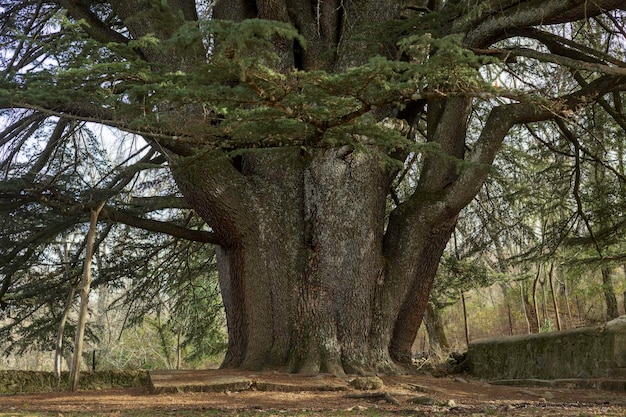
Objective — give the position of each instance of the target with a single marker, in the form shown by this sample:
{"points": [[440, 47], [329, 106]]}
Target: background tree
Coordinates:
{"points": [[85, 289], [284, 125], [140, 270]]}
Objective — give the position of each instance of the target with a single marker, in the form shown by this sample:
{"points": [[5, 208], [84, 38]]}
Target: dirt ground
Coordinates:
{"points": [[412, 395]]}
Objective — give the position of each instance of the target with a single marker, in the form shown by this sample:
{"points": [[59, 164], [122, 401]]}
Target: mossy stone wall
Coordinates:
{"points": [[15, 382], [597, 351]]}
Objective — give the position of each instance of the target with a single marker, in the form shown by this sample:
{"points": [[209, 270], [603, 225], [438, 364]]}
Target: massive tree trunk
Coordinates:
{"points": [[303, 276]]}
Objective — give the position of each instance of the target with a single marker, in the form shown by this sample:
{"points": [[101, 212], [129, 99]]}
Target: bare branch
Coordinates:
{"points": [[159, 226], [555, 59], [567, 47]]}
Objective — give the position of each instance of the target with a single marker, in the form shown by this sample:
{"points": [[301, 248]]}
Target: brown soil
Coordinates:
{"points": [[442, 396]]}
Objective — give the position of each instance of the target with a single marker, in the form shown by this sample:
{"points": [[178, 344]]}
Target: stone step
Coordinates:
{"points": [[172, 381]]}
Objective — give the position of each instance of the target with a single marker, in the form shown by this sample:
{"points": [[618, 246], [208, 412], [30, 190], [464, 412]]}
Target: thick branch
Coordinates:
{"points": [[567, 47], [53, 142], [95, 27], [218, 192], [565, 61], [159, 226], [483, 30], [502, 118], [87, 112], [159, 202]]}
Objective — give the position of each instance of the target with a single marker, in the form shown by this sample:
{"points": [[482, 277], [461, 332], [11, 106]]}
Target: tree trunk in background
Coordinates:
{"points": [[555, 303], [561, 272], [535, 305], [624, 295], [58, 349], [524, 307], [530, 312], [612, 311], [465, 321], [84, 300], [437, 339]]}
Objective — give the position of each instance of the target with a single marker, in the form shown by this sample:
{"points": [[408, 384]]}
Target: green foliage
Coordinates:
{"points": [[42, 244], [459, 275], [198, 317], [245, 100], [445, 65], [248, 43]]}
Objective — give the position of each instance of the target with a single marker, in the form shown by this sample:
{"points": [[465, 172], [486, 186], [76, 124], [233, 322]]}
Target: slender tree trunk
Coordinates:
{"points": [[535, 303], [510, 316], [563, 274], [524, 306], [465, 321], [624, 295], [554, 300], [530, 309], [58, 350], [164, 343], [84, 300], [612, 311], [103, 298], [544, 302], [179, 354]]}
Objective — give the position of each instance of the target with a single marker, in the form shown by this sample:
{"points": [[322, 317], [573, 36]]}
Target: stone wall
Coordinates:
{"points": [[589, 352], [14, 382]]}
